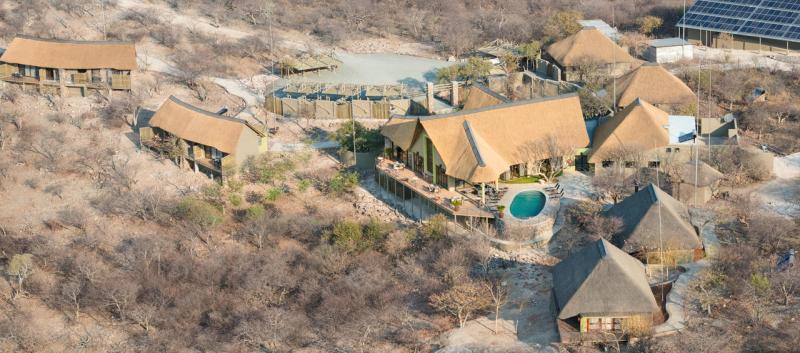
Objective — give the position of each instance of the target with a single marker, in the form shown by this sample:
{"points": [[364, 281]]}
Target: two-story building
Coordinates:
{"points": [[458, 155], [68, 67], [208, 142]]}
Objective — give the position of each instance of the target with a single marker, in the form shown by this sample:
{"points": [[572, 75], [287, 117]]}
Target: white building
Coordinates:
{"points": [[668, 50]]}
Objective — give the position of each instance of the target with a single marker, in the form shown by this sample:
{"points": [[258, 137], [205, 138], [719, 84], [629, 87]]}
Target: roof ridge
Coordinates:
{"points": [[73, 41], [205, 112], [475, 149], [495, 107]]}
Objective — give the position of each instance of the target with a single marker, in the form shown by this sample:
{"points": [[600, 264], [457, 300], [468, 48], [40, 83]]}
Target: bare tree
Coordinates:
{"points": [[546, 158], [461, 300], [496, 283]]}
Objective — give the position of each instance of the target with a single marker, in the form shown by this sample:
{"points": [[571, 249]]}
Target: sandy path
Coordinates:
{"points": [[781, 195]]}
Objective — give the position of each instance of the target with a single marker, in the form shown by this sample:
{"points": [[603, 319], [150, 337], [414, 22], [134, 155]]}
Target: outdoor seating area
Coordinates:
{"points": [[409, 186], [493, 194]]}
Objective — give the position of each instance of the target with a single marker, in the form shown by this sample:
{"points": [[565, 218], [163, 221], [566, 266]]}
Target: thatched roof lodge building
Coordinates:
{"points": [[601, 294], [471, 148], [68, 67], [208, 142], [654, 84], [654, 223], [641, 135], [588, 47]]}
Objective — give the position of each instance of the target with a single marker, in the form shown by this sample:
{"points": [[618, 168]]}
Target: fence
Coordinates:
{"points": [[339, 109]]}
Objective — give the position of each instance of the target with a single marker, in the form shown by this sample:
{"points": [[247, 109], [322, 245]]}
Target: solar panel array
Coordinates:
{"points": [[776, 19]]}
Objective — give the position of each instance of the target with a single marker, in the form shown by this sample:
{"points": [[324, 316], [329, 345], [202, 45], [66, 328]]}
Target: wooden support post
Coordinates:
{"points": [[483, 194]]}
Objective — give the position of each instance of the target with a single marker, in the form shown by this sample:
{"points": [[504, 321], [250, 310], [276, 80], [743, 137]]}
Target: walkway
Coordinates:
{"points": [[676, 299]]}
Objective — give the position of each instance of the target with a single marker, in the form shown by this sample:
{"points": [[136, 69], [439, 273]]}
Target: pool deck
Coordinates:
{"points": [[539, 226]]}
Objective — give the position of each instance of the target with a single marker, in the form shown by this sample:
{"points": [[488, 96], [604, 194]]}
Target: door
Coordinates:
{"points": [[428, 156]]}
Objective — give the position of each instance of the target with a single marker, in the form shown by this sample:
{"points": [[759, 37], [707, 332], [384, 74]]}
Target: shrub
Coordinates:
{"points": [[198, 212], [255, 212], [376, 231], [235, 200], [273, 194], [342, 182], [435, 228], [303, 185], [347, 235]]}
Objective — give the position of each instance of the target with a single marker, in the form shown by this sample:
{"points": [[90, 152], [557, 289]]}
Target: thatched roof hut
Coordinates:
{"points": [[601, 280], [640, 127], [589, 45], [653, 221], [654, 84]]}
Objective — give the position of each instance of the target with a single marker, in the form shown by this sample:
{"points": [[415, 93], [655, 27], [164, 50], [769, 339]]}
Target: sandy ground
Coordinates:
{"points": [[742, 58], [379, 69], [782, 194], [389, 44], [525, 324]]}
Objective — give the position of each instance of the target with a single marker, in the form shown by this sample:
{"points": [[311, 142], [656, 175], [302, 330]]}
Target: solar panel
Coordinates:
{"points": [[775, 19]]}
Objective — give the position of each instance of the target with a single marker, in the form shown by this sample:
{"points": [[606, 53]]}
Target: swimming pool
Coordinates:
{"points": [[527, 204]]}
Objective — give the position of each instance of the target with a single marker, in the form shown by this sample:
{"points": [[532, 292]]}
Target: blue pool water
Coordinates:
{"points": [[527, 204]]}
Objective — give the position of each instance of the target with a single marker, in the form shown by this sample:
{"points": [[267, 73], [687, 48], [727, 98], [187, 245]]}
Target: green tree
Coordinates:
{"points": [[563, 24], [649, 24], [448, 74], [366, 139], [531, 51], [20, 268], [476, 69]]}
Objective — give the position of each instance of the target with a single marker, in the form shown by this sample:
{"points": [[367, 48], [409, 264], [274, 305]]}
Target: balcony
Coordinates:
{"points": [[439, 197]]}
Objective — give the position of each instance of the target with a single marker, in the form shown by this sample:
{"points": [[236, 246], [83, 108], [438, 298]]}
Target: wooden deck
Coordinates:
{"points": [[441, 199]]}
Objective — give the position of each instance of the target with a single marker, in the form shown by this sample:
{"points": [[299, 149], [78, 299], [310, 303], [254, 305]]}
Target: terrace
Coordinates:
{"points": [[408, 186]]}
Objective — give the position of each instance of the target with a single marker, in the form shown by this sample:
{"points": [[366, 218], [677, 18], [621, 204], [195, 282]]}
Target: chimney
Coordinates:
{"points": [[429, 97], [454, 98]]}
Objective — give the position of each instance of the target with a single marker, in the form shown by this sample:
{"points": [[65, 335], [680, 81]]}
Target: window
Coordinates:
{"points": [[216, 154], [428, 155], [608, 164], [441, 177], [51, 74], [604, 324], [669, 150], [654, 164], [97, 76], [29, 71], [677, 149], [629, 164]]}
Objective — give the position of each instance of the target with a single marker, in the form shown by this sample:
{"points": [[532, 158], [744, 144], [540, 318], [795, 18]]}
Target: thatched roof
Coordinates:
{"points": [[401, 130], [647, 211], [654, 84], [197, 125], [601, 279], [588, 45], [478, 145], [68, 54], [706, 175], [638, 127], [479, 96]]}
